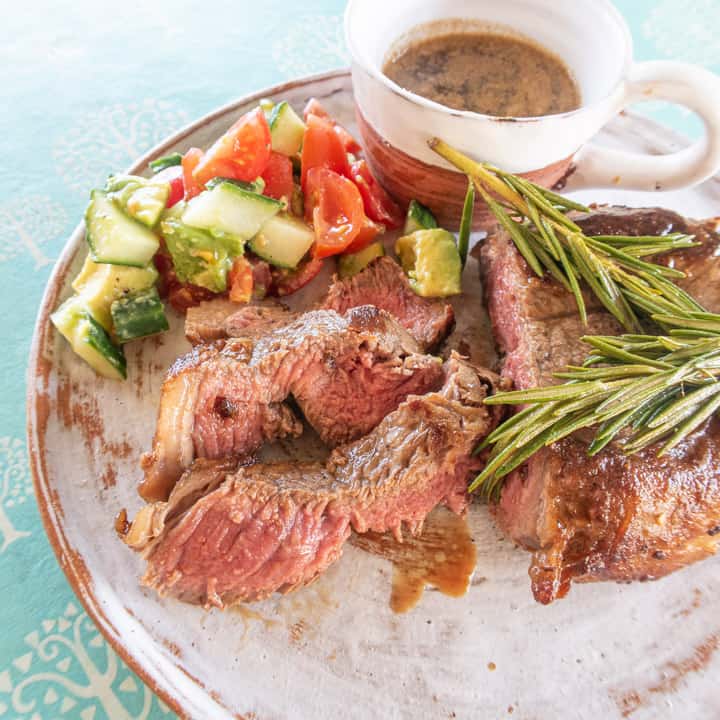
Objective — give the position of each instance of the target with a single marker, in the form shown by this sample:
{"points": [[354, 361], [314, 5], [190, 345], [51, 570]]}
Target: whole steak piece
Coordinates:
{"points": [[346, 372], [382, 284], [610, 517], [231, 534]]}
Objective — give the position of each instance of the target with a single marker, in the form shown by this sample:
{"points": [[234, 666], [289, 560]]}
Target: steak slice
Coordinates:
{"points": [[346, 373], [610, 517], [229, 535], [382, 284]]}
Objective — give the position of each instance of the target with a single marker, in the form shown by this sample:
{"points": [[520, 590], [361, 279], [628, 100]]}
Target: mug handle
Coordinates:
{"points": [[694, 87]]}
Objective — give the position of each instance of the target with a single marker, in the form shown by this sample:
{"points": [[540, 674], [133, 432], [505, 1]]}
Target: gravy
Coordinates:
{"points": [[485, 72]]}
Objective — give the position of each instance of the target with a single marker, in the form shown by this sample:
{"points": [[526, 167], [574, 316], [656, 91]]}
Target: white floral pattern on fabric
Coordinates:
{"points": [[686, 30], [322, 35], [70, 671], [15, 487], [111, 138], [26, 224]]}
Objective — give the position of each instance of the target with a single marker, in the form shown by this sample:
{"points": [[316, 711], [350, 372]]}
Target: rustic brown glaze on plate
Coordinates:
{"points": [[336, 649]]}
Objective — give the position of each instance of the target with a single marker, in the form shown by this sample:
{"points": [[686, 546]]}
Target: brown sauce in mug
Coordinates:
{"points": [[484, 72]]}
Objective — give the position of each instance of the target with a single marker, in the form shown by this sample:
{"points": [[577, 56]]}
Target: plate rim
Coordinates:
{"points": [[73, 565], [37, 405]]}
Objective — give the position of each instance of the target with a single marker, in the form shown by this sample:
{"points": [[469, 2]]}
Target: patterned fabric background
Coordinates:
{"points": [[86, 88]]}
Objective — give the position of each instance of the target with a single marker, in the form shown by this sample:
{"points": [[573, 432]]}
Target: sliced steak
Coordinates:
{"points": [[382, 284], [346, 373], [610, 517], [228, 535]]}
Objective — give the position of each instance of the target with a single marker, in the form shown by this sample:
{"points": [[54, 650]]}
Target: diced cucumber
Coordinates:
{"points": [[100, 284], [198, 257], [283, 241], [89, 339], [286, 129], [114, 237], [266, 105], [418, 218], [256, 186], [229, 210], [162, 163], [138, 315], [350, 264], [140, 198]]}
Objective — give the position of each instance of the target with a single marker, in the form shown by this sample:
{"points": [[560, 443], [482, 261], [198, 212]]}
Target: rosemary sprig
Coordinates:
{"points": [[537, 221], [634, 390]]}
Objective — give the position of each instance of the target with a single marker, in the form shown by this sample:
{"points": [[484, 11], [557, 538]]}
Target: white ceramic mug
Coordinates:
{"points": [[594, 41]]}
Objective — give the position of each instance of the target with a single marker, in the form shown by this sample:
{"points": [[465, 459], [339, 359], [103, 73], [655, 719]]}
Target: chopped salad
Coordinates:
{"points": [[256, 214]]}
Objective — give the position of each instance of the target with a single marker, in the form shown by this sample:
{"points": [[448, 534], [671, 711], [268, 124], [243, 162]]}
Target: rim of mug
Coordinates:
{"points": [[412, 97]]}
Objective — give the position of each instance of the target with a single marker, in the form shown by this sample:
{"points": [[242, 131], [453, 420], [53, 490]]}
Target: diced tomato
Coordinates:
{"points": [[242, 153], [337, 211], [286, 282], [174, 177], [278, 177], [315, 108], [379, 206], [190, 161], [368, 233], [240, 280], [322, 148]]}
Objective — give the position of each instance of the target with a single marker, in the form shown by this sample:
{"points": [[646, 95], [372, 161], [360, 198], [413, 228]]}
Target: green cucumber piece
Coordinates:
{"points": [[283, 241], [256, 186], [100, 284], [142, 199], [89, 339], [114, 237], [162, 163], [418, 217], [350, 264], [286, 129], [138, 315], [229, 210], [198, 257]]}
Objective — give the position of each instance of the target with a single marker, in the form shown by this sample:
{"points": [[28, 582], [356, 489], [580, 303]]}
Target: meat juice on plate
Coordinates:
{"points": [[442, 557]]}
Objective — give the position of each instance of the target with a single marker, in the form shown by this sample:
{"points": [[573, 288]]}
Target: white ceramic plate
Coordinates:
{"points": [[335, 650]]}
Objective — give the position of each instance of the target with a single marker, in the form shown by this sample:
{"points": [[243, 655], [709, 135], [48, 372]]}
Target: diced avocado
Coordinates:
{"points": [[101, 284], [230, 212], [114, 237], [286, 129], [431, 261], [162, 163], [283, 241], [350, 264], [89, 339], [138, 315], [418, 218], [198, 257], [139, 197]]}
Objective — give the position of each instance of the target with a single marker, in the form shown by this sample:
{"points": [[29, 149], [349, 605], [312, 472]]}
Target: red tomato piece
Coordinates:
{"points": [[286, 282], [240, 280], [315, 108], [379, 206], [190, 161], [242, 153], [174, 177], [337, 211], [368, 232], [322, 148], [278, 177]]}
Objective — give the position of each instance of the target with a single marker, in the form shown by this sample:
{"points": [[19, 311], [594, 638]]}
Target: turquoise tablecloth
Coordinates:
{"points": [[86, 88]]}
